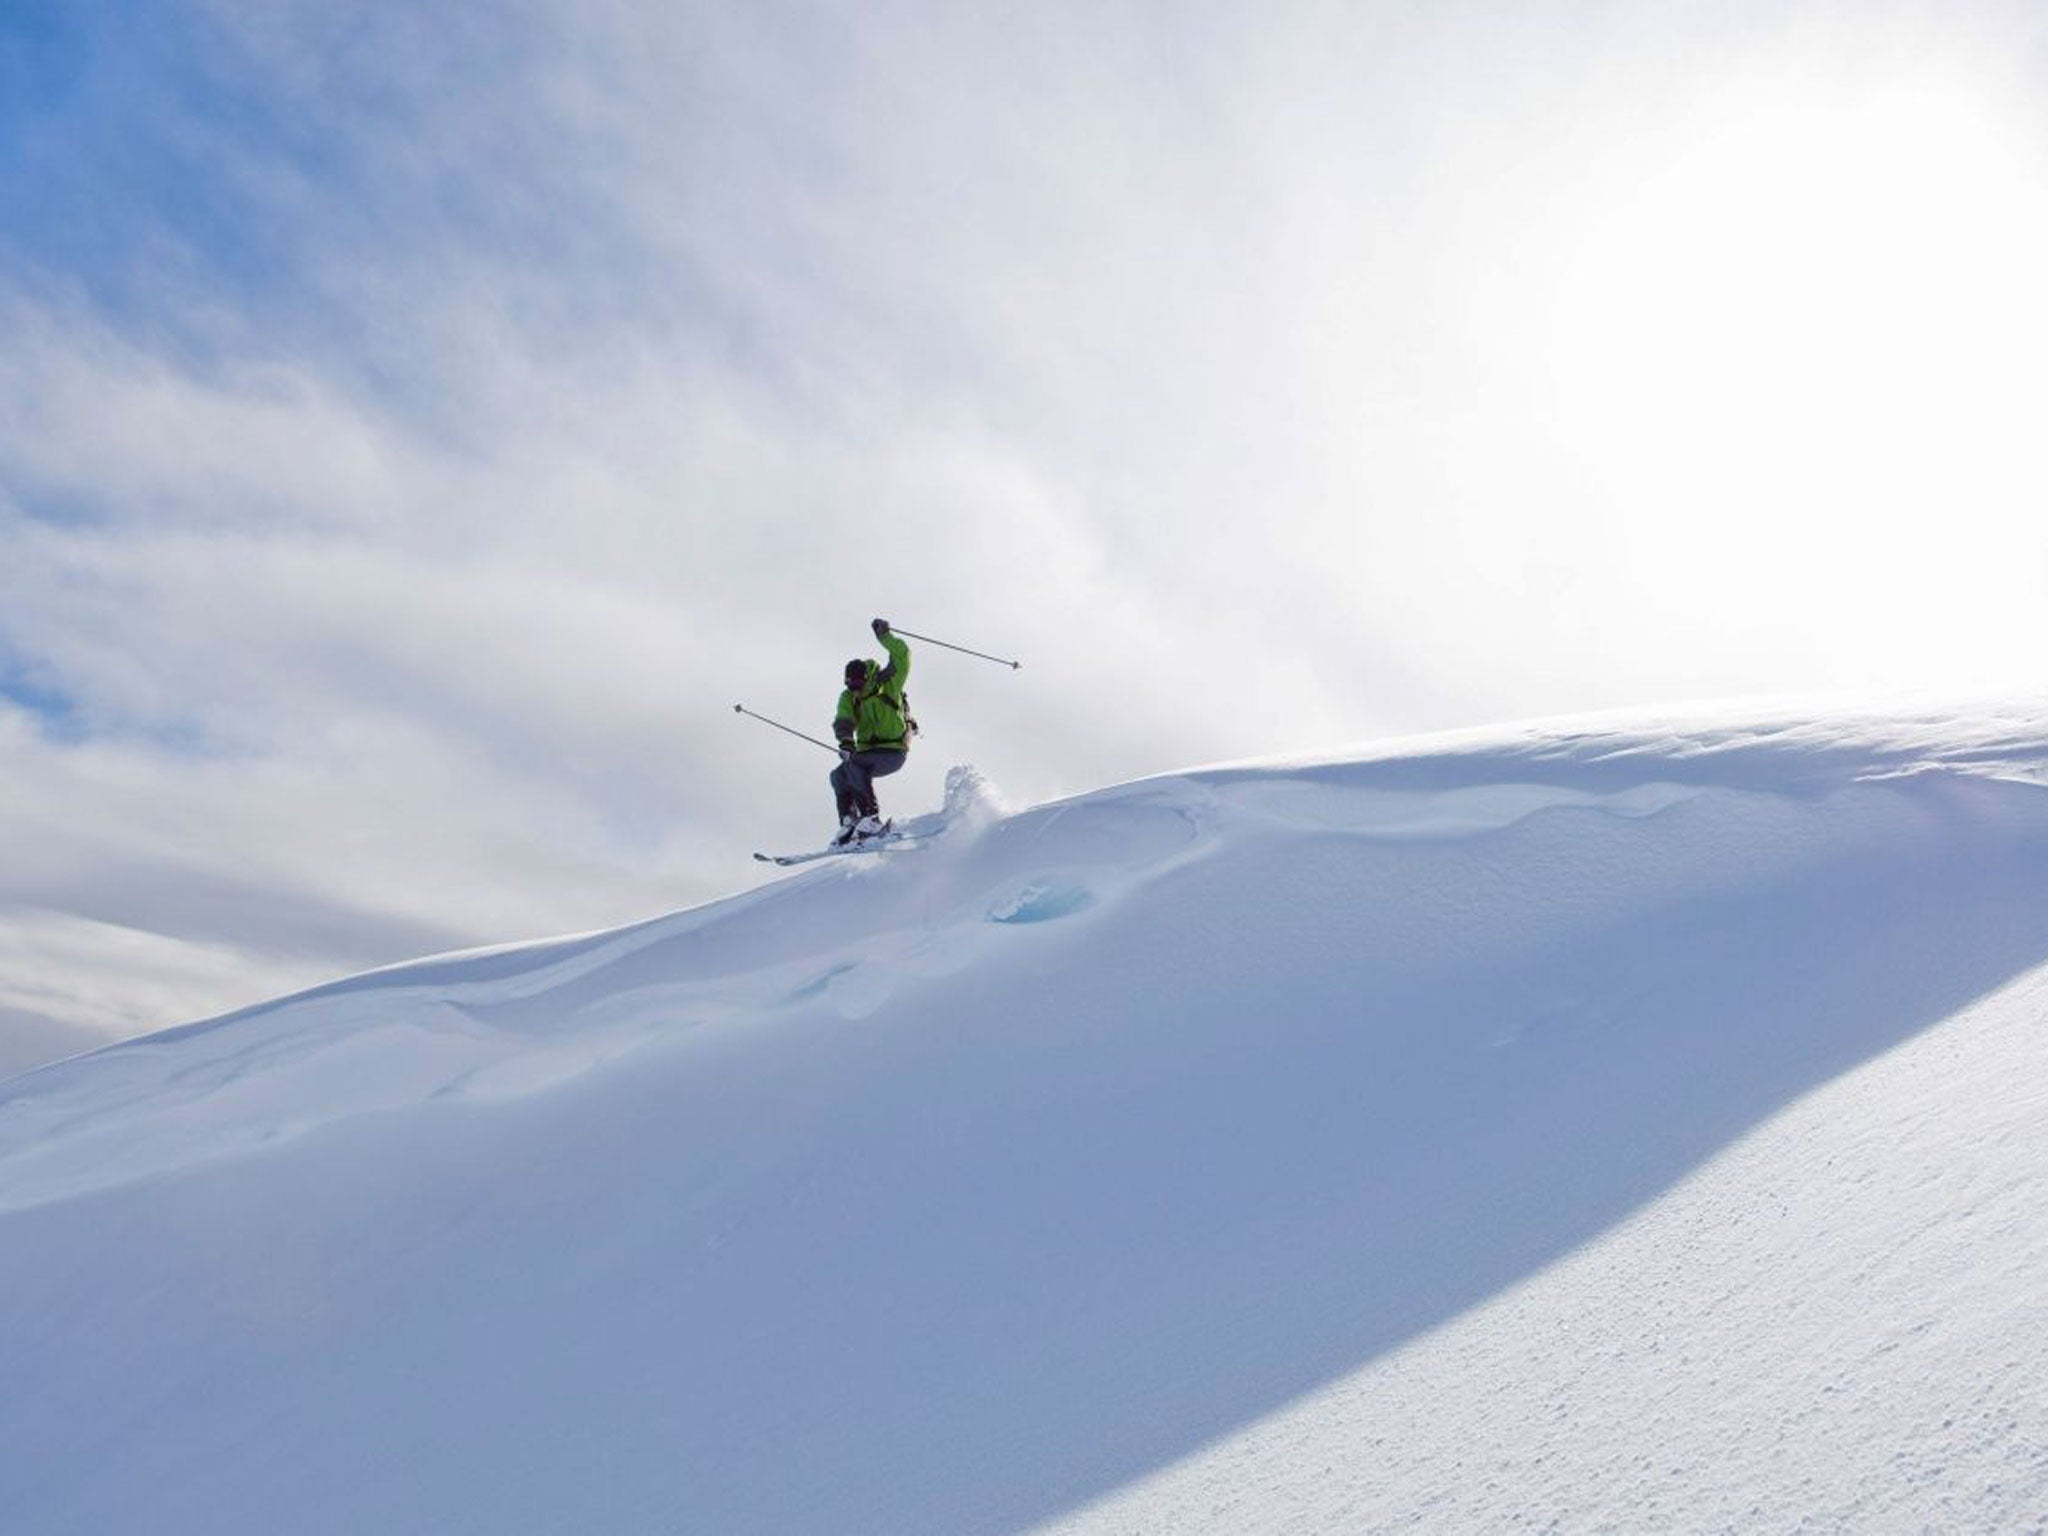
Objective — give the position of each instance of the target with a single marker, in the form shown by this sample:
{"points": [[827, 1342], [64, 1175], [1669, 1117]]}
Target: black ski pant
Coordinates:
{"points": [[853, 781]]}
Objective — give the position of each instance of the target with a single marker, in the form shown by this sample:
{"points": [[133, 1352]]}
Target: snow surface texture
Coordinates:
{"points": [[1609, 1128]]}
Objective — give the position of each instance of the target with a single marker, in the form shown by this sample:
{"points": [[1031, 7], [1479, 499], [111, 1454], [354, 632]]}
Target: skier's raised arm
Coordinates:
{"points": [[897, 672]]}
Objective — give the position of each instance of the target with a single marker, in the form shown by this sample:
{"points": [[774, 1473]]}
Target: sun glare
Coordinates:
{"points": [[1800, 340]]}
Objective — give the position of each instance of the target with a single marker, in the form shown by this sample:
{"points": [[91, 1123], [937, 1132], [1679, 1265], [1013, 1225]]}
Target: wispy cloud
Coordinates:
{"points": [[108, 981], [418, 426]]}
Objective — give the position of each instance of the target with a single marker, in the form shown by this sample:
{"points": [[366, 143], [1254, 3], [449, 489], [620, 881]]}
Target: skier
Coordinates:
{"points": [[873, 727]]}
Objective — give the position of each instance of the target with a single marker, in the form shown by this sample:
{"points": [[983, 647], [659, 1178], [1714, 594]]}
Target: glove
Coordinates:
{"points": [[880, 627]]}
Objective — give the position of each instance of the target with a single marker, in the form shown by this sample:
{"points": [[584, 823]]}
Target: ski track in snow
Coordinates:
{"points": [[1617, 1126]]}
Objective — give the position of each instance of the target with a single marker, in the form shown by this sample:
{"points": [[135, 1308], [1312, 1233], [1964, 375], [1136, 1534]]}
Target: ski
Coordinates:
{"points": [[878, 844]]}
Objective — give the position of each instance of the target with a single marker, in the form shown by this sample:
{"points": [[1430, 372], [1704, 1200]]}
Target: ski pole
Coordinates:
{"points": [[741, 709], [947, 644]]}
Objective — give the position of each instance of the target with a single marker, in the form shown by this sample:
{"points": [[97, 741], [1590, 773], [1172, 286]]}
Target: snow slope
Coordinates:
{"points": [[1630, 1125]]}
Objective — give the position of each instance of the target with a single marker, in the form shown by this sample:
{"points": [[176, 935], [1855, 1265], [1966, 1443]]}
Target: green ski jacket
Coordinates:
{"points": [[873, 717]]}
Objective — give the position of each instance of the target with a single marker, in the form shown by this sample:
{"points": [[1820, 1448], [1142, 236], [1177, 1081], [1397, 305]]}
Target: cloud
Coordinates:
{"points": [[105, 981], [444, 416]]}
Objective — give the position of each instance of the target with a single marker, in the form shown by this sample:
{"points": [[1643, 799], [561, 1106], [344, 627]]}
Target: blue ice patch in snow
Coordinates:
{"points": [[1040, 902]]}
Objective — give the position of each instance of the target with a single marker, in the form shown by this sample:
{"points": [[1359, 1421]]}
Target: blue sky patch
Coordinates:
{"points": [[55, 712]]}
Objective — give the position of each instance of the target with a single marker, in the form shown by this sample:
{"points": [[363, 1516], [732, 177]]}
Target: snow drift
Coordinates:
{"points": [[1569, 1124]]}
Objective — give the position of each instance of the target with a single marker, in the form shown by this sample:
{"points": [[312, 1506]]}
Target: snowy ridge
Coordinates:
{"points": [[519, 1019], [1111, 1165]]}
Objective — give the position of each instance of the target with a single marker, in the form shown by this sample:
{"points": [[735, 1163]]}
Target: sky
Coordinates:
{"points": [[419, 426]]}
